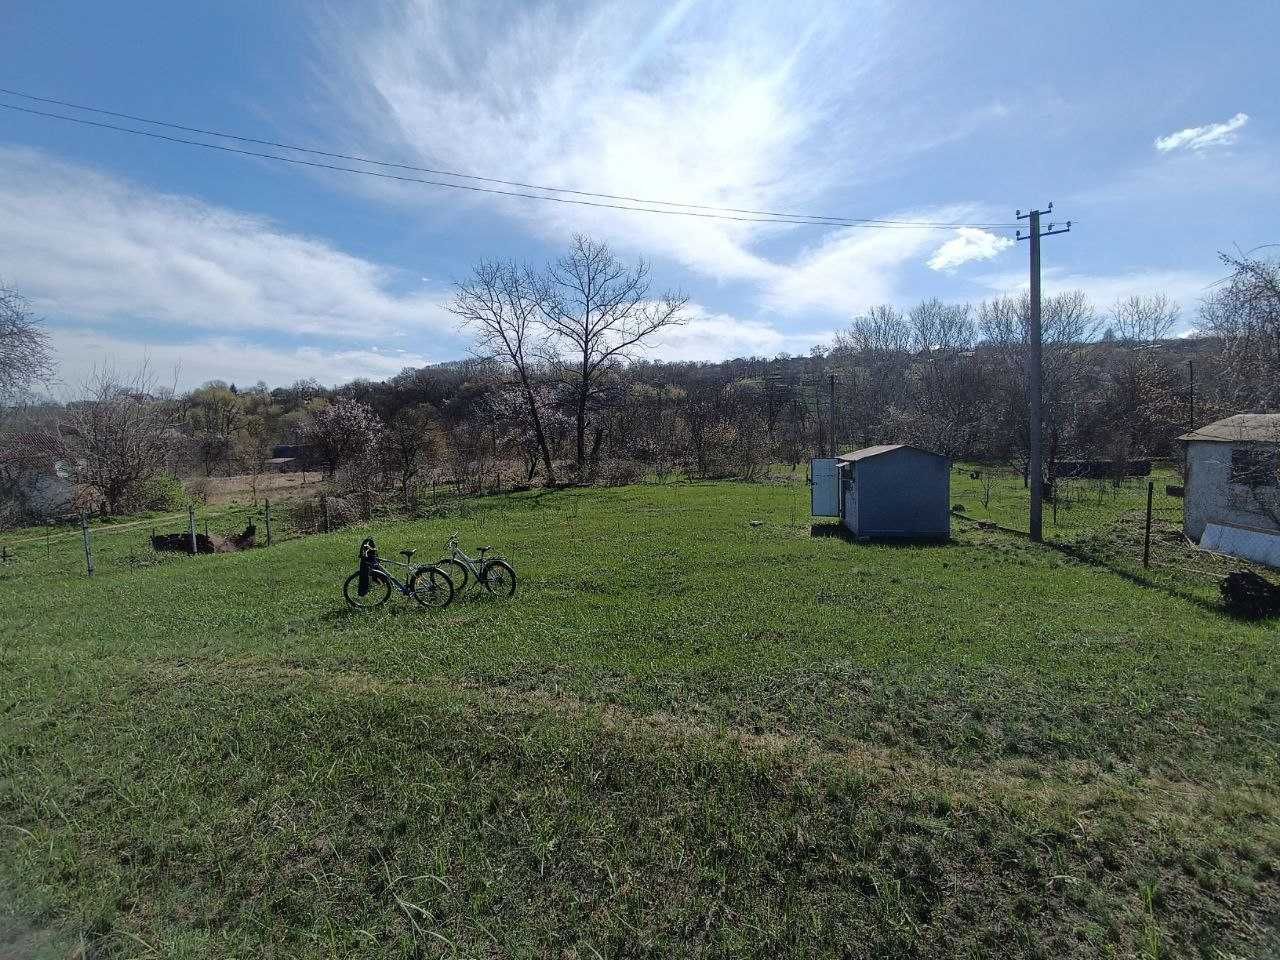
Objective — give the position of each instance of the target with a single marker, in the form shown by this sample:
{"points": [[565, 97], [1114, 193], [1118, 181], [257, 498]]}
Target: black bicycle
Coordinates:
{"points": [[371, 585]]}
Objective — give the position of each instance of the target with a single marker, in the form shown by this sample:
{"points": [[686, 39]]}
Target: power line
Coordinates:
{"points": [[693, 210]]}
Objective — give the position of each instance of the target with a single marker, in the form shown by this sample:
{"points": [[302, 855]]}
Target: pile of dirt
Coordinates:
{"points": [[206, 543]]}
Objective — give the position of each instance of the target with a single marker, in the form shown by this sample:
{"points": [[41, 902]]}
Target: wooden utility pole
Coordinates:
{"points": [[1035, 350]]}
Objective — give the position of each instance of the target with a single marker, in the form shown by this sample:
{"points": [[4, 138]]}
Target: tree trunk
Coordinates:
{"points": [[541, 437], [582, 428]]}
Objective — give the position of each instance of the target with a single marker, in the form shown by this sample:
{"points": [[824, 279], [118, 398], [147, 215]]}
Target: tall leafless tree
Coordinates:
{"points": [[115, 439], [500, 301], [1243, 314], [1144, 319], [599, 310], [25, 358]]}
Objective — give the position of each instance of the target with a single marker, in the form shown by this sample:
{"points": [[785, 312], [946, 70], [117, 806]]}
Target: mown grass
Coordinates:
{"points": [[688, 735]]}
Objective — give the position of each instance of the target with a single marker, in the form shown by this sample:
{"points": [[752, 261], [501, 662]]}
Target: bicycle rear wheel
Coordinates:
{"points": [[431, 587], [379, 591], [498, 578]]}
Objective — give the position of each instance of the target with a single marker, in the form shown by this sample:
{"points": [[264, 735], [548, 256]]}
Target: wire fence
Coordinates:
{"points": [[95, 546], [1131, 524]]}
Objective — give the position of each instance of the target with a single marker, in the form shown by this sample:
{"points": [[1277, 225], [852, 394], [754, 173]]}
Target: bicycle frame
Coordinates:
{"points": [[379, 569], [457, 554]]}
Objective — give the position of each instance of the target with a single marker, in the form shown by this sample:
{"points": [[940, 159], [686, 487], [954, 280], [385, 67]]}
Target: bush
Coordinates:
{"points": [[164, 492]]}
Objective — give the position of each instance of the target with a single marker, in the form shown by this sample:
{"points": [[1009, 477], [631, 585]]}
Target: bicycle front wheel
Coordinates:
{"points": [[498, 578], [456, 571], [431, 587], [379, 591]]}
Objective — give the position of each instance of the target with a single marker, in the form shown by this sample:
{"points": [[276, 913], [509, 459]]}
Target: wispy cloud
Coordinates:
{"points": [[1197, 138], [753, 107], [710, 336], [969, 243], [95, 249], [192, 362]]}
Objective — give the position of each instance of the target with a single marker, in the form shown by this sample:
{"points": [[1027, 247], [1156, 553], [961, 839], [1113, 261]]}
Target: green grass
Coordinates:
{"points": [[688, 735]]}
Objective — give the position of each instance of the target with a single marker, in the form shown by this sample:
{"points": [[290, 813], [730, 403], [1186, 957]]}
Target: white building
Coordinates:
{"points": [[1233, 475]]}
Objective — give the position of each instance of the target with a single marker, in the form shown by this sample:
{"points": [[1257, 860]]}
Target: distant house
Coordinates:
{"points": [[1233, 475], [288, 458], [891, 491]]}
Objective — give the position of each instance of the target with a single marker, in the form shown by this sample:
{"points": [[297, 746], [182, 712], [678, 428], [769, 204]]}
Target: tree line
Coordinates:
{"points": [[559, 390]]}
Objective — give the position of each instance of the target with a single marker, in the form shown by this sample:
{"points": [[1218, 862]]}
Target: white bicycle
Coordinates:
{"points": [[493, 573]]}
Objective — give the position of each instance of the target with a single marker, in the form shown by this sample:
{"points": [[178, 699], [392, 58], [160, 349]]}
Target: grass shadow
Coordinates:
{"points": [[1092, 560], [840, 532]]}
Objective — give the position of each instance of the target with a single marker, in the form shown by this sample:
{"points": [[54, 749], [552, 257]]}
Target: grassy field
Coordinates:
{"points": [[699, 730]]}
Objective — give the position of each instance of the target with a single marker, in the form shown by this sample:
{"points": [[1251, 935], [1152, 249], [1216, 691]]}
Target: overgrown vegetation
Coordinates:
{"points": [[560, 391], [689, 735]]}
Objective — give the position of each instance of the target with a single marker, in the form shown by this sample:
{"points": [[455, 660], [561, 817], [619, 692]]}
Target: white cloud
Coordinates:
{"points": [[969, 243], [756, 108], [1197, 138], [92, 248], [201, 359], [718, 336]]}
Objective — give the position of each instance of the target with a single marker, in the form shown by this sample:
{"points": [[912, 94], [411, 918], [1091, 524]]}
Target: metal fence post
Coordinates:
{"points": [[268, 523], [191, 527], [88, 542], [1146, 543], [324, 510]]}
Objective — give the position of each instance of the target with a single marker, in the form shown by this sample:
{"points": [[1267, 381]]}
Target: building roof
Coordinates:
{"points": [[1242, 428], [882, 448]]}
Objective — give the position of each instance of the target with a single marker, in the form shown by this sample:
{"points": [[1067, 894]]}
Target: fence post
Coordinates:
{"points": [[88, 542], [1146, 543], [268, 523], [191, 527], [324, 510]]}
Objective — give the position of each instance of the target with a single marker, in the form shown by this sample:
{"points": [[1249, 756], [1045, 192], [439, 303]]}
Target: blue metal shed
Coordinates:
{"points": [[887, 491]]}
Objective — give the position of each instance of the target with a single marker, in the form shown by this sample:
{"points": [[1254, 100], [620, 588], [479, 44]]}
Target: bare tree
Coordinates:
{"points": [[408, 441], [1139, 319], [501, 302], [1244, 316], [942, 327], [599, 310], [25, 359], [1068, 322], [116, 439]]}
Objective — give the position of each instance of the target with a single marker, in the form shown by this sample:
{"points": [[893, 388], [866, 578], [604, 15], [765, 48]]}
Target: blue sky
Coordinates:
{"points": [[1151, 126]]}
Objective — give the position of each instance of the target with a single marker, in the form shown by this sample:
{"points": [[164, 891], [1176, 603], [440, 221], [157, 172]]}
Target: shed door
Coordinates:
{"points": [[824, 495], [851, 500]]}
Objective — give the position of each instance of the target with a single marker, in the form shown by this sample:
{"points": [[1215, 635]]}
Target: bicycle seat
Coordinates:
{"points": [[483, 549], [407, 554]]}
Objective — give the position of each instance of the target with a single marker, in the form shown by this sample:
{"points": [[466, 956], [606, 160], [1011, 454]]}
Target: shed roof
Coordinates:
{"points": [[1242, 428], [882, 448]]}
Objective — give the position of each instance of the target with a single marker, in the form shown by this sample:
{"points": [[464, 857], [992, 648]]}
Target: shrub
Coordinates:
{"points": [[164, 492]]}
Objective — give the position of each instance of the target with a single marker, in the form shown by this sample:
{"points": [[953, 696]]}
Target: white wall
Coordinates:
{"points": [[1211, 497]]}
